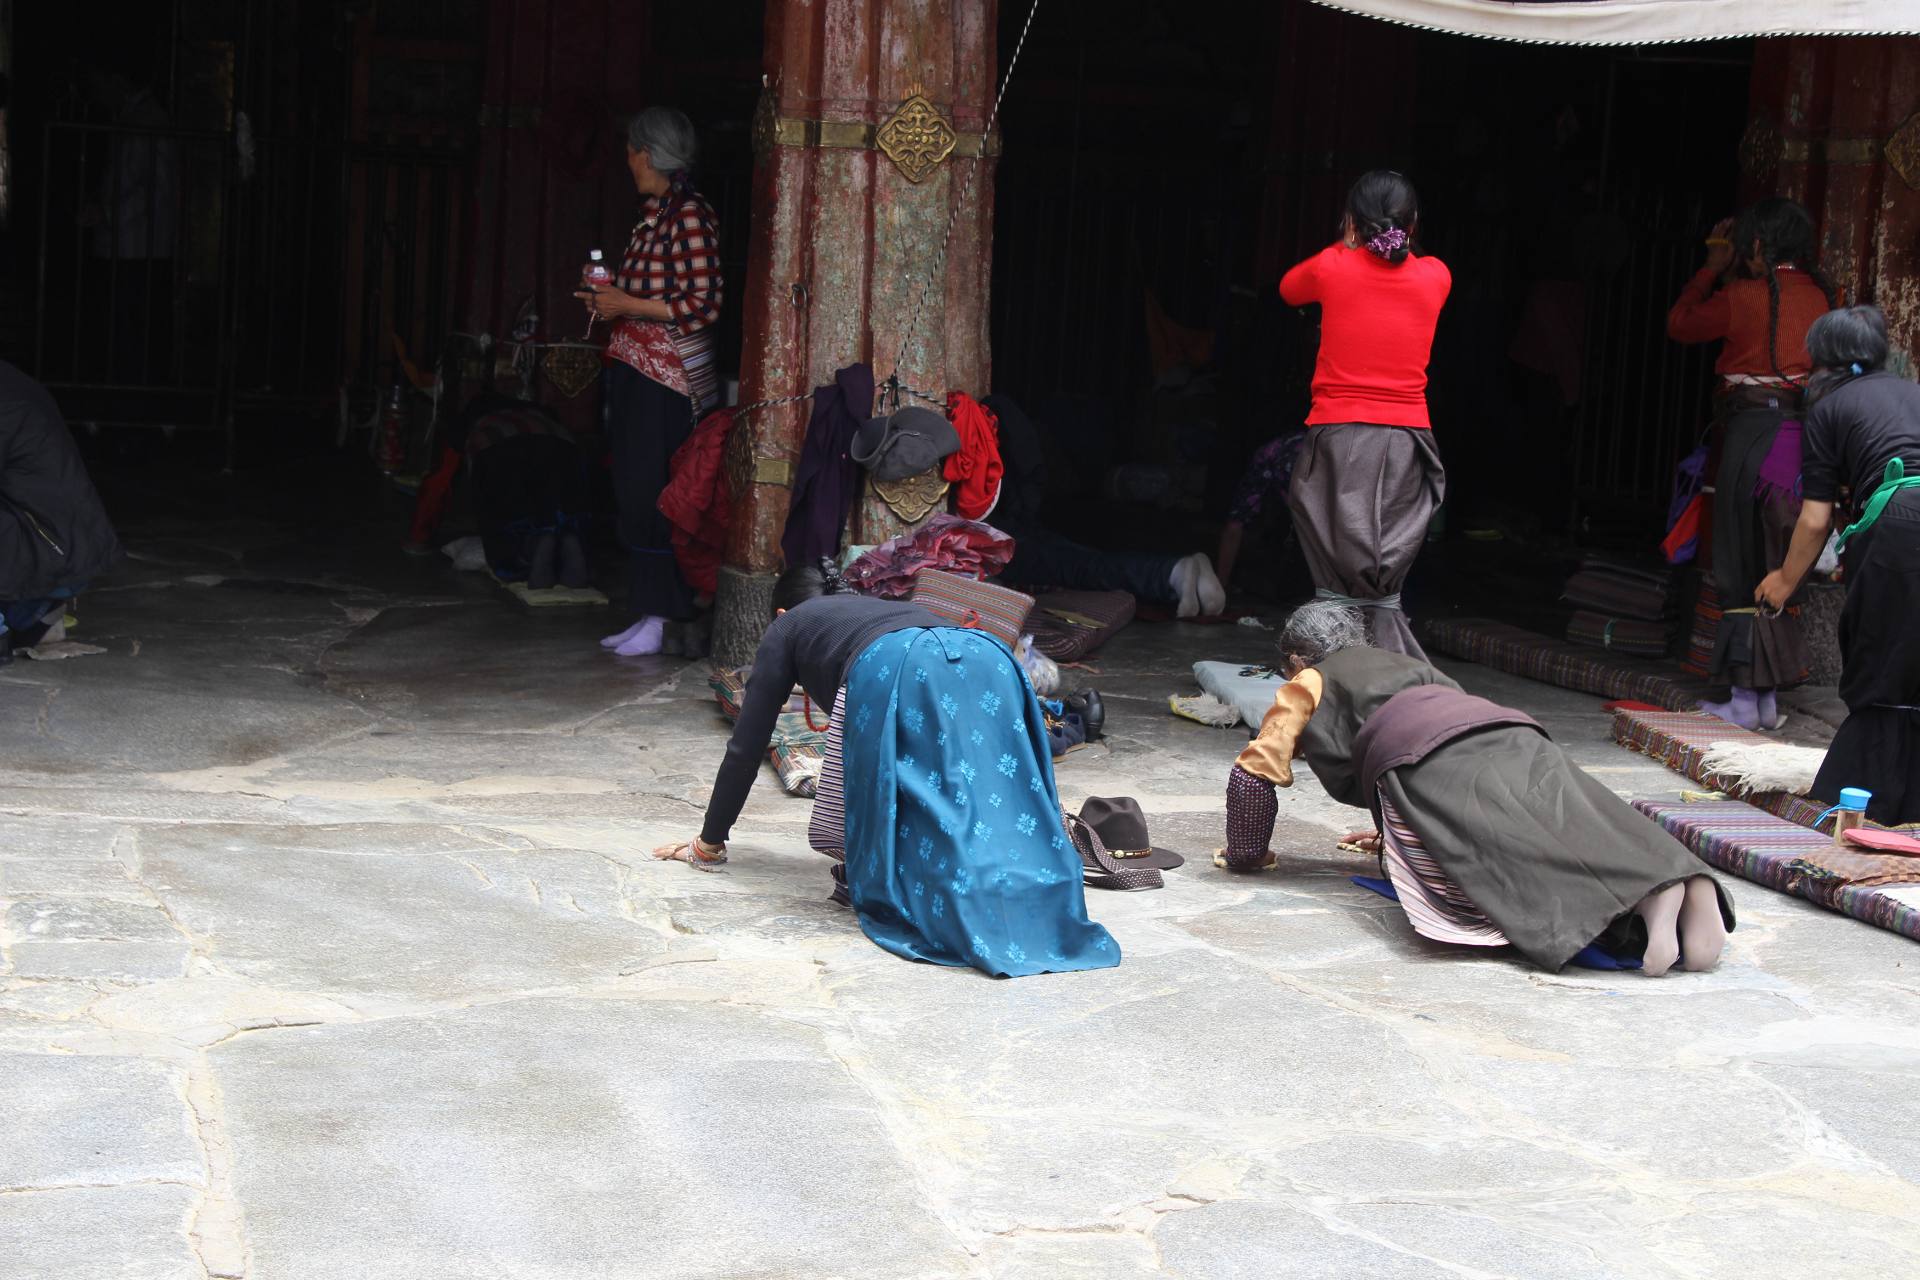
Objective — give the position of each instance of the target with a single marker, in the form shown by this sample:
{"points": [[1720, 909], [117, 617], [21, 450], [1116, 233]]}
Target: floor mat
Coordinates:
{"points": [[1740, 840], [798, 750], [1556, 662], [1679, 740]]}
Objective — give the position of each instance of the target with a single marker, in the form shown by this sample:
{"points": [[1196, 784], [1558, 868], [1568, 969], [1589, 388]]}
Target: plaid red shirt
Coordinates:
{"points": [[674, 257]]}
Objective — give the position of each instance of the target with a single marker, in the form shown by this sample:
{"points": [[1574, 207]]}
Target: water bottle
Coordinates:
{"points": [[594, 273], [1850, 812]]}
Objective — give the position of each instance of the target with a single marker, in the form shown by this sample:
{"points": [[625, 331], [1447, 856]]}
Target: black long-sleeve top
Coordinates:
{"points": [[811, 645], [1854, 431]]}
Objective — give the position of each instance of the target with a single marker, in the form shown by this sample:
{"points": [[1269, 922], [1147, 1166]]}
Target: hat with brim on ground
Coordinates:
{"points": [[903, 444], [1122, 828]]}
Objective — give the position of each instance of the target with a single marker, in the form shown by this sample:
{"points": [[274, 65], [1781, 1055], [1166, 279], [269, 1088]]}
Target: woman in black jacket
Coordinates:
{"points": [[55, 537]]}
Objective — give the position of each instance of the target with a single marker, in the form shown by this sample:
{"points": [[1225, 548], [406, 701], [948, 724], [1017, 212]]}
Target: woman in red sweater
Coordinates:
{"points": [[1763, 319], [1369, 477]]}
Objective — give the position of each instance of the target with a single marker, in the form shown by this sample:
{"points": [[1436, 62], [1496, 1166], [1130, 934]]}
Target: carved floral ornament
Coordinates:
{"points": [[916, 136], [1763, 150], [912, 497]]}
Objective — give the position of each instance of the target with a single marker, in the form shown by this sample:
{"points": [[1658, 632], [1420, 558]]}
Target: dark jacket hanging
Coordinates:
{"points": [[827, 480]]}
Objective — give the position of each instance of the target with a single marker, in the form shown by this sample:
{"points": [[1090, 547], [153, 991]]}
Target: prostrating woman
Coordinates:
{"points": [[1368, 478], [956, 851], [1863, 439], [1490, 834], [1762, 317], [660, 375]]}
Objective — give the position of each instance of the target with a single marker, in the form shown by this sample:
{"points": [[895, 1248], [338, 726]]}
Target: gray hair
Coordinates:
{"points": [[666, 135], [1320, 628]]}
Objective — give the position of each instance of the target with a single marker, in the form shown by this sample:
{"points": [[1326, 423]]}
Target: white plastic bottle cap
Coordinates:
{"points": [[594, 256]]}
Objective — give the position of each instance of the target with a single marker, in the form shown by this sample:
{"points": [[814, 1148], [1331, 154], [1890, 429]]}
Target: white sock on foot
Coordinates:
{"points": [[1186, 583], [1661, 911], [614, 642], [646, 639], [1703, 931], [1213, 596]]}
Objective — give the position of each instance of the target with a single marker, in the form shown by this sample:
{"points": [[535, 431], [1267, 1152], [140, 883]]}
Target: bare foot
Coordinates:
{"points": [[1661, 911], [1703, 933]]}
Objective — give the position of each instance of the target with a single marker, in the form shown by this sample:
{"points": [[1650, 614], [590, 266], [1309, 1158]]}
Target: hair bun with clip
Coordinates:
{"points": [[1389, 241]]}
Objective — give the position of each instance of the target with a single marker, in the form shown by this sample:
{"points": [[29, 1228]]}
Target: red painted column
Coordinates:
{"points": [[1835, 124], [843, 243]]}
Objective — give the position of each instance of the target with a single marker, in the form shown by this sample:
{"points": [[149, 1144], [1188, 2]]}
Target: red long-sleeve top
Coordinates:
{"points": [[1376, 333], [1738, 313]]}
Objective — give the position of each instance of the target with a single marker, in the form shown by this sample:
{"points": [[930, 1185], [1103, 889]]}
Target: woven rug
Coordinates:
{"points": [[1679, 740], [1069, 625], [1556, 662], [798, 750], [1770, 851]]}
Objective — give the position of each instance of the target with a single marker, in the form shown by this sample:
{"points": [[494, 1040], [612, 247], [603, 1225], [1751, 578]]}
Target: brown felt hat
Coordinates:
{"points": [[1122, 828]]}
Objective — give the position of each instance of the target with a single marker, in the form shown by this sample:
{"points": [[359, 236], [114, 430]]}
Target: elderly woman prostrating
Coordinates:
{"points": [[1489, 833], [660, 374]]}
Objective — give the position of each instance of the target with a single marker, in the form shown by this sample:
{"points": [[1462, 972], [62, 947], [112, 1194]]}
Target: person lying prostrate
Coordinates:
{"points": [[956, 851], [1490, 834]]}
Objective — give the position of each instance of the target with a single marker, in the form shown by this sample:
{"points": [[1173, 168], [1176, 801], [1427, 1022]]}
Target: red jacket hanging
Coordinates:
{"points": [[974, 468], [695, 501]]}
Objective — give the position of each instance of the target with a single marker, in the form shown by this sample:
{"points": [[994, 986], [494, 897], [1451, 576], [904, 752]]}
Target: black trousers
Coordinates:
{"points": [[646, 422], [1878, 747]]}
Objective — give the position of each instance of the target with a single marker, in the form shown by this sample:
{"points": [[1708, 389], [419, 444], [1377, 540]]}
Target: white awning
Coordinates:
{"points": [[1619, 22]]}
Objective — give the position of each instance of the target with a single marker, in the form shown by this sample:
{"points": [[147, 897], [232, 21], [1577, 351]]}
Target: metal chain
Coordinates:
{"points": [[953, 218]]}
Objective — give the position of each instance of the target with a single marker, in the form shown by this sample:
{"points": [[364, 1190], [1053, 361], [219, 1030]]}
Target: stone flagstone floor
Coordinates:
{"points": [[332, 949]]}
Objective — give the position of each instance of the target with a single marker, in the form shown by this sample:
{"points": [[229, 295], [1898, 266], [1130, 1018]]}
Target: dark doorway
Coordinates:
{"points": [[1174, 157]]}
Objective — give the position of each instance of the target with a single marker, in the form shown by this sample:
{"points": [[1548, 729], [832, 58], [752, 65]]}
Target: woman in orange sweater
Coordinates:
{"points": [[1762, 316]]}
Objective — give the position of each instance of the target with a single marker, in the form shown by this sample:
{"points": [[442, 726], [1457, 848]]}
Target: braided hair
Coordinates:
{"points": [[803, 582], [1784, 232]]}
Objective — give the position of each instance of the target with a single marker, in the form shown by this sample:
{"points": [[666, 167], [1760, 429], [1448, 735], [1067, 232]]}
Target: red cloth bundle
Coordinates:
{"points": [[695, 501], [964, 547], [974, 469]]}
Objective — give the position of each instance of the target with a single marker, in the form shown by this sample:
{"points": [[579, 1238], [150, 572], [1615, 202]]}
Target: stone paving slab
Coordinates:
{"points": [[126, 1233], [352, 920], [569, 1138]]}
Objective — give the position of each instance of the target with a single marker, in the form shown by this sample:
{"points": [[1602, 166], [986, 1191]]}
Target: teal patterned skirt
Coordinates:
{"points": [[956, 853]]}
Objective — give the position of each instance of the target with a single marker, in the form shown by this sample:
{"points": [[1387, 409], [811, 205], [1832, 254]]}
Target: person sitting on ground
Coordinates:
{"points": [[955, 848], [1863, 434], [529, 486], [1491, 835], [1042, 558], [55, 536]]}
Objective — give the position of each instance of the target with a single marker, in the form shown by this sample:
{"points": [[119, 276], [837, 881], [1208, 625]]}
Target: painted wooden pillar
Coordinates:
{"points": [[1835, 124], [852, 200]]}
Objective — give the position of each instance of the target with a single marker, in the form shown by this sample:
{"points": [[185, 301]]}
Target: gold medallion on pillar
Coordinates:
{"points": [[571, 367], [914, 496], [1903, 151], [916, 137]]}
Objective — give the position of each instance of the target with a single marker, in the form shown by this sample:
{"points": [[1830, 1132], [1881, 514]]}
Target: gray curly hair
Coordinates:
{"points": [[1320, 628], [667, 135]]}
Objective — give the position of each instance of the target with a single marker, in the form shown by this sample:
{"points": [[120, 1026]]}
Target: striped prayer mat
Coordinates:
{"points": [[798, 749], [1556, 662], [1770, 851], [1679, 740]]}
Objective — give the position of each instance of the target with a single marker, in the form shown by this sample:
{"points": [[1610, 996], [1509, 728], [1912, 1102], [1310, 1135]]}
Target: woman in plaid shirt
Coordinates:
{"points": [[660, 375]]}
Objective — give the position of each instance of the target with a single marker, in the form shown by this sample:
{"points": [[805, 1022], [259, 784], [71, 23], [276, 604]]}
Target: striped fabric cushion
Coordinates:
{"points": [[797, 748], [1679, 740], [1527, 653], [1770, 851], [1069, 625], [966, 602]]}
